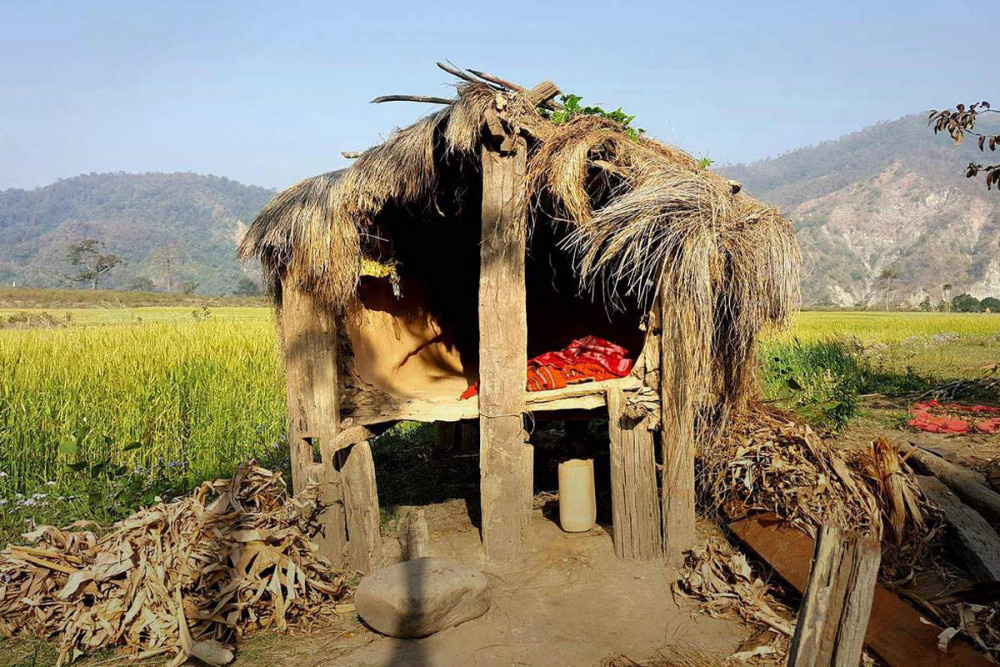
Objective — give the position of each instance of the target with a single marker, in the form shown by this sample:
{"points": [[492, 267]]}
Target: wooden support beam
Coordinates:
{"points": [[833, 618], [635, 504], [449, 435], [309, 340], [966, 484], [897, 632], [357, 471], [503, 350], [976, 541], [677, 431]]}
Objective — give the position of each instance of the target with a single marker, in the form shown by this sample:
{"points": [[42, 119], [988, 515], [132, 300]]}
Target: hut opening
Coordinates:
{"points": [[484, 235]]}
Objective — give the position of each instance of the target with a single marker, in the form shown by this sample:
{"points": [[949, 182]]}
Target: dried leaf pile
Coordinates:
{"points": [[720, 577], [189, 577], [766, 462]]}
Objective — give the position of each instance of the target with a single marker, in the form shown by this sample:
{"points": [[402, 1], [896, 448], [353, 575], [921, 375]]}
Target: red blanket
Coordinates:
{"points": [[954, 418], [589, 359]]}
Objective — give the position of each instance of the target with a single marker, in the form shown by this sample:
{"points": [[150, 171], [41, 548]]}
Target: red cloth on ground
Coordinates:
{"points": [[589, 359], [925, 419]]}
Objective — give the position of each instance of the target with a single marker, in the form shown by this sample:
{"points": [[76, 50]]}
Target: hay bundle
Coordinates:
{"points": [[188, 577]]}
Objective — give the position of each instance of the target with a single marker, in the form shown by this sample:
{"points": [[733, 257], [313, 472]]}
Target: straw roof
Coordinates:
{"points": [[642, 217]]}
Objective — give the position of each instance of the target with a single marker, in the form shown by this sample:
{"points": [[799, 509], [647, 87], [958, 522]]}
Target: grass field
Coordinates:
{"points": [[104, 409]]}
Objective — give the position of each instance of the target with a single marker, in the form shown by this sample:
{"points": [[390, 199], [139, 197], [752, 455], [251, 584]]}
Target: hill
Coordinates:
{"points": [[891, 196], [177, 228]]}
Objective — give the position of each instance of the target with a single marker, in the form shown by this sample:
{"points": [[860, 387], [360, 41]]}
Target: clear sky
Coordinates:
{"points": [[268, 93]]}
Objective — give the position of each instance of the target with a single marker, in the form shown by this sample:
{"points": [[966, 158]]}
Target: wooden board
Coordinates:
{"points": [[832, 621], [503, 349], [895, 630], [585, 396], [635, 502], [977, 542], [310, 347]]}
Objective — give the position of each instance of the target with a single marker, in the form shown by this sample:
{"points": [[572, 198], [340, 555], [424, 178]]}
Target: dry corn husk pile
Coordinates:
{"points": [[720, 576], [186, 578], [767, 462]]}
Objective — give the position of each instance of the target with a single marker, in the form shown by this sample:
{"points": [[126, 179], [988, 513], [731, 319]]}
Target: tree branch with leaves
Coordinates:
{"points": [[961, 121], [91, 256]]}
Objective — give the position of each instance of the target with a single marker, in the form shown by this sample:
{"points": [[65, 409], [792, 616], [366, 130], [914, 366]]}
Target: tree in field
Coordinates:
{"points": [[247, 287], [189, 287], [167, 259], [990, 304], [141, 284], [926, 305], [887, 276], [93, 261], [960, 121], [945, 291], [965, 303]]}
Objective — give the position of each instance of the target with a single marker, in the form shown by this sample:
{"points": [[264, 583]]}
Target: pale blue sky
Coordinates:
{"points": [[268, 93]]}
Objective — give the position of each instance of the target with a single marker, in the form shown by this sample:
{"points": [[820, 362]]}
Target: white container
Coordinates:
{"points": [[577, 500]]}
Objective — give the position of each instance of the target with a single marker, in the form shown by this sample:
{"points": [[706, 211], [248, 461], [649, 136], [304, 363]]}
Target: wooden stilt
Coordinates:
{"points": [[449, 436], [838, 601], [635, 505], [357, 472], [503, 350], [677, 408], [309, 340]]}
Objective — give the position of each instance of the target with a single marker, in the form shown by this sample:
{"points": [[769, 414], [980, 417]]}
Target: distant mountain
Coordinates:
{"points": [[189, 221], [891, 196]]}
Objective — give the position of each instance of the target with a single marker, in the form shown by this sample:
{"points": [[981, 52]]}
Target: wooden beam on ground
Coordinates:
{"points": [[966, 483], [977, 542], [896, 631], [309, 341], [677, 431], [635, 503], [832, 621], [364, 540], [503, 351]]}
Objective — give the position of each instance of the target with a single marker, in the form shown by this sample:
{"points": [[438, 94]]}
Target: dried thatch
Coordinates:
{"points": [[641, 217]]}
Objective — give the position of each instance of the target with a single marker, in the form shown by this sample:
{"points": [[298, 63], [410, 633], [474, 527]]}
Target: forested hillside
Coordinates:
{"points": [[892, 198], [178, 230]]}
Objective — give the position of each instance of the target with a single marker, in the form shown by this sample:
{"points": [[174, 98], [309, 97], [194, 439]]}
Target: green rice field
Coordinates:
{"points": [[103, 409]]}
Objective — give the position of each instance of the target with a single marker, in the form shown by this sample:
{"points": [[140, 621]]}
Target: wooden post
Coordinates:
{"points": [[634, 504], [838, 601], [309, 338], [677, 412], [503, 352], [364, 540]]}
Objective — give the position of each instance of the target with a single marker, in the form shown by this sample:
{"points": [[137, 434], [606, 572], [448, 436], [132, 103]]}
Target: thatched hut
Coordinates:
{"points": [[486, 233]]}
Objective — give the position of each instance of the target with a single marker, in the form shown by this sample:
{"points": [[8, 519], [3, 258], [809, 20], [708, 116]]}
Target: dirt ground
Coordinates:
{"points": [[566, 601]]}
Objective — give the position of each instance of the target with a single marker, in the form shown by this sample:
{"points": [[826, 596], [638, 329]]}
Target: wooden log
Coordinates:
{"points": [[965, 483], [677, 431], [309, 341], [976, 541], [414, 535], [635, 504], [364, 541], [896, 631], [838, 600], [503, 350]]}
